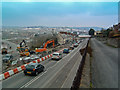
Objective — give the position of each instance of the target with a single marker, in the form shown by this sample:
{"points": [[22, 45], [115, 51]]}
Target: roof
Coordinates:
{"points": [[55, 53], [33, 64], [65, 48]]}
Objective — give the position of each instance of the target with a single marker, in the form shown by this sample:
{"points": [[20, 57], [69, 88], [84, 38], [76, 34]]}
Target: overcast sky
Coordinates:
{"points": [[81, 14]]}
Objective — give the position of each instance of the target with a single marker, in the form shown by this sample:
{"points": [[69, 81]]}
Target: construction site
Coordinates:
{"points": [[17, 54]]}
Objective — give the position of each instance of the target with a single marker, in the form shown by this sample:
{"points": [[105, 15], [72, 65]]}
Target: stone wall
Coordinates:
{"points": [[115, 42]]}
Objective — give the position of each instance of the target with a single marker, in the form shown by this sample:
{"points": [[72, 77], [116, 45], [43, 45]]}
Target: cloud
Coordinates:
{"points": [[80, 20], [60, 14]]}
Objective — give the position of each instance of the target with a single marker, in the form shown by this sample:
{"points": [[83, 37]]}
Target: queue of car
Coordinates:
{"points": [[36, 68]]}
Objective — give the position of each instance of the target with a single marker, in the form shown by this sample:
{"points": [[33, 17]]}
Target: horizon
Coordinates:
{"points": [[62, 14]]}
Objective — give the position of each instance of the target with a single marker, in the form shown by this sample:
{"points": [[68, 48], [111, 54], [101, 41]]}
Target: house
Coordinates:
{"points": [[116, 31]]}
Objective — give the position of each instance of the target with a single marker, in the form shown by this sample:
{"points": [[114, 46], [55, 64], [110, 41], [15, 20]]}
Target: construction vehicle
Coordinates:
{"points": [[23, 49], [45, 46]]}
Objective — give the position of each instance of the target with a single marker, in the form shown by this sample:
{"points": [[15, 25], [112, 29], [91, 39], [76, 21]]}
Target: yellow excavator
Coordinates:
{"points": [[23, 49]]}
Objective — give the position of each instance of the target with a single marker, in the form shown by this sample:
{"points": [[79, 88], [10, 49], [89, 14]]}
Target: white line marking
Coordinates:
{"points": [[31, 81], [69, 75], [34, 79]]}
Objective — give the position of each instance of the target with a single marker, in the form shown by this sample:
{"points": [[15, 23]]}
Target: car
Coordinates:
{"points": [[33, 57], [4, 51], [75, 45], [79, 42], [33, 69], [71, 48], [32, 52], [26, 59], [66, 50], [6, 58], [56, 56]]}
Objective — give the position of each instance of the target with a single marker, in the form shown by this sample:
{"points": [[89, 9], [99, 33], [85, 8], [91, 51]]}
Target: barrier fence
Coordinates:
{"points": [[22, 67]]}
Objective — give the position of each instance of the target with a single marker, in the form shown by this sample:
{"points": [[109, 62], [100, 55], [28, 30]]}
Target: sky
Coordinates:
{"points": [[74, 14]]}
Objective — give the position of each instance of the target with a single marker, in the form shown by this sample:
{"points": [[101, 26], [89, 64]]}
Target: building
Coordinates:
{"points": [[116, 31]]}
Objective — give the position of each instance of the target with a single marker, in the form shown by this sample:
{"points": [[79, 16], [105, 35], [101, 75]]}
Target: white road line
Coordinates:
{"points": [[69, 74], [34, 79], [31, 81], [58, 70]]}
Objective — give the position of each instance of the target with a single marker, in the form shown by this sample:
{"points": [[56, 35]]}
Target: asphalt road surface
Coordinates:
{"points": [[57, 74], [104, 65]]}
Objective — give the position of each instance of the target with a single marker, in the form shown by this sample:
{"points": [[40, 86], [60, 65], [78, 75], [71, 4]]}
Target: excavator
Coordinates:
{"points": [[45, 46], [23, 49]]}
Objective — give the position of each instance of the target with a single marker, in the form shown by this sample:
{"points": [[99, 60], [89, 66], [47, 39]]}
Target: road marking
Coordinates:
{"points": [[31, 81], [34, 79], [27, 84], [70, 73], [60, 68]]}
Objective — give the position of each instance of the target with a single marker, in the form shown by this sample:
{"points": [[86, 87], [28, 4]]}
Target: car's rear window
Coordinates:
{"points": [[30, 66], [6, 56], [66, 49]]}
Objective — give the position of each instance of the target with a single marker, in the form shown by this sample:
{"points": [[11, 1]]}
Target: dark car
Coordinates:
{"points": [[75, 45], [33, 69], [6, 58], [32, 52], [79, 42], [66, 50]]}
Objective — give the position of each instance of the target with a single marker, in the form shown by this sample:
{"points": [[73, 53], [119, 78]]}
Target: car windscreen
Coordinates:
{"points": [[56, 54], [66, 49], [30, 66]]}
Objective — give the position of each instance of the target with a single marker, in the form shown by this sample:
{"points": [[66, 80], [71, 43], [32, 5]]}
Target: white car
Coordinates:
{"points": [[57, 56], [33, 57], [26, 59]]}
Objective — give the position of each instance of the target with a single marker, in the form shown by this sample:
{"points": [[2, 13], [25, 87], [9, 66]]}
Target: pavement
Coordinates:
{"points": [[57, 74], [104, 65]]}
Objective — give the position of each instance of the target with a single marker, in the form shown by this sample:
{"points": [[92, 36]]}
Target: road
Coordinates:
{"points": [[104, 65], [58, 74]]}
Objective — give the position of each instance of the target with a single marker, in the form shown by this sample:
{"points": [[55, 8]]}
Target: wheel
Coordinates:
{"points": [[25, 74], [43, 69], [36, 73]]}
